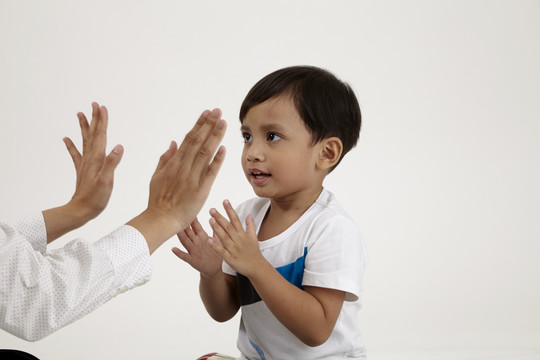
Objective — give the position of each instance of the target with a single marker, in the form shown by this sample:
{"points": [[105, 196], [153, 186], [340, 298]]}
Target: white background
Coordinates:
{"points": [[444, 182]]}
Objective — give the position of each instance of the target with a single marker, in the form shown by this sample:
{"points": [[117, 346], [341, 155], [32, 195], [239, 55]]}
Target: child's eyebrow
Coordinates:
{"points": [[266, 128], [273, 127]]}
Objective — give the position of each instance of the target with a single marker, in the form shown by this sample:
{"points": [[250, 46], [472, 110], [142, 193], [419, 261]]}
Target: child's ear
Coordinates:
{"points": [[330, 152]]}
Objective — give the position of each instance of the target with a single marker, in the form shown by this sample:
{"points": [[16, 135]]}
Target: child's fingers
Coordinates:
{"points": [[197, 227], [182, 255], [250, 226], [218, 229], [233, 217], [223, 223], [190, 234], [185, 240], [216, 244], [221, 234]]}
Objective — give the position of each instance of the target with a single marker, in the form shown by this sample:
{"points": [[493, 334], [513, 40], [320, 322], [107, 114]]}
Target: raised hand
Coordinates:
{"points": [[182, 181], [95, 170], [239, 248], [95, 176], [200, 254]]}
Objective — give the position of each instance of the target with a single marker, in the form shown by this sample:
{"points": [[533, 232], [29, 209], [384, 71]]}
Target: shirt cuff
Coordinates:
{"points": [[129, 255], [32, 227]]}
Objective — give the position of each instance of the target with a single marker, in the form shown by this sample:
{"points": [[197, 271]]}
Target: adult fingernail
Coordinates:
{"points": [[118, 149], [221, 124], [215, 112]]}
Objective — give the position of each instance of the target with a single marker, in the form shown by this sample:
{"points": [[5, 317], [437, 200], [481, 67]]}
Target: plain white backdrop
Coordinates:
{"points": [[444, 182]]}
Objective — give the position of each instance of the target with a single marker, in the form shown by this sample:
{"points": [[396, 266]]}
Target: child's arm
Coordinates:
{"points": [[311, 314], [219, 296], [218, 290]]}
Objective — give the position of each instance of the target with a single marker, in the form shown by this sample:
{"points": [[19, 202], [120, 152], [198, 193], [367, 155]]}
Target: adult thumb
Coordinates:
{"points": [[112, 161]]}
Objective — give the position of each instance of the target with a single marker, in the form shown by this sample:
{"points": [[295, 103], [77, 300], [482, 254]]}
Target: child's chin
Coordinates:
{"points": [[260, 192]]}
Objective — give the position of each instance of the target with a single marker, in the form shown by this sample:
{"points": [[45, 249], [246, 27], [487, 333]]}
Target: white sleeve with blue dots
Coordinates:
{"points": [[42, 291]]}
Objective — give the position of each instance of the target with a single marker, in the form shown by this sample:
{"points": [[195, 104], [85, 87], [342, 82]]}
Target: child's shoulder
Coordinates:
{"points": [[329, 211], [330, 206]]}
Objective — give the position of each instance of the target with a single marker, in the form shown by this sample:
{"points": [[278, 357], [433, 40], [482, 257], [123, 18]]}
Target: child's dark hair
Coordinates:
{"points": [[327, 105]]}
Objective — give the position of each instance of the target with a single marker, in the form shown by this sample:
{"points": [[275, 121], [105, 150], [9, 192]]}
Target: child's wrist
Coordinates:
{"points": [[259, 267]]}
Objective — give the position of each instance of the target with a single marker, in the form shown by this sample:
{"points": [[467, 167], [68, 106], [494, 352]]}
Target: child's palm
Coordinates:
{"points": [[200, 254]]}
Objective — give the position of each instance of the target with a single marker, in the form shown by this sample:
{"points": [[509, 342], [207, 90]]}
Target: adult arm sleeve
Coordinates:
{"points": [[42, 291]]}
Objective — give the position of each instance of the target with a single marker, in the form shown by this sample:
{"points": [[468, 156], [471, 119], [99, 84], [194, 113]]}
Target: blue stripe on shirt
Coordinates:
{"points": [[293, 273]]}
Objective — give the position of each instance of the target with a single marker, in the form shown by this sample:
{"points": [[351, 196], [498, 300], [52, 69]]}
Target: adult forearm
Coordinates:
{"points": [[63, 219]]}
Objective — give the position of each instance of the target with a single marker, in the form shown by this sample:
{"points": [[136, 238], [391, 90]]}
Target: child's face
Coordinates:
{"points": [[278, 158]]}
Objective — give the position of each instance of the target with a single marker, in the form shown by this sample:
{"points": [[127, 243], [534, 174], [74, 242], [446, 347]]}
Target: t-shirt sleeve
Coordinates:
{"points": [[336, 257]]}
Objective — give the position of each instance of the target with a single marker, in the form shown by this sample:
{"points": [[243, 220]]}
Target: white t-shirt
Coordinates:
{"points": [[324, 249]]}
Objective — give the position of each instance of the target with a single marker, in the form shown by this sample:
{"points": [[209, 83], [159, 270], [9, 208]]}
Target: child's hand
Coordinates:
{"points": [[199, 253], [239, 248]]}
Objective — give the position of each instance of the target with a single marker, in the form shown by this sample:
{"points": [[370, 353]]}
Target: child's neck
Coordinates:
{"points": [[284, 212]]}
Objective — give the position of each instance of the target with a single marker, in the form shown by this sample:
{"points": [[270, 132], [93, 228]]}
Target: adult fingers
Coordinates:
{"points": [[167, 155], [95, 116], [195, 149], [212, 170], [73, 152], [195, 135], [85, 128], [100, 132], [208, 148]]}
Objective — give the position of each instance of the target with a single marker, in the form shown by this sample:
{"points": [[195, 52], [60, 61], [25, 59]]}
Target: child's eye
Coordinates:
{"points": [[247, 137], [273, 137]]}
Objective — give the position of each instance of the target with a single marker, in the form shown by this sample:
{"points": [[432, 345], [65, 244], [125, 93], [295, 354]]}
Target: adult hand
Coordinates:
{"points": [[95, 176], [182, 181], [95, 171]]}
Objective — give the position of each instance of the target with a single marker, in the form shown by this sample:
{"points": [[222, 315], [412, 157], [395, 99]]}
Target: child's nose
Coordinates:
{"points": [[255, 153]]}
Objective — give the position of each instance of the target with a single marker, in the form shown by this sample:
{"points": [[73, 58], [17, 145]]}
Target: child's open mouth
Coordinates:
{"points": [[258, 177]]}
